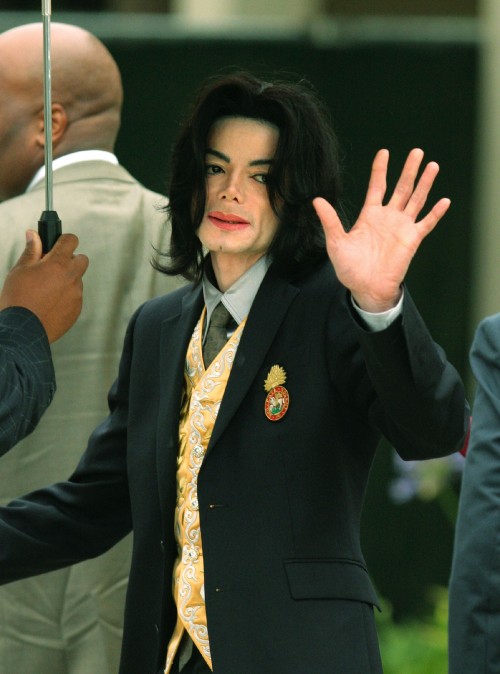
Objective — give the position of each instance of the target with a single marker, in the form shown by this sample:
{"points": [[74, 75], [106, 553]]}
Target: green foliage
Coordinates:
{"points": [[416, 647]]}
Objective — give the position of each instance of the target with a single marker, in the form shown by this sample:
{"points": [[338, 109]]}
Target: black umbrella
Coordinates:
{"points": [[49, 225]]}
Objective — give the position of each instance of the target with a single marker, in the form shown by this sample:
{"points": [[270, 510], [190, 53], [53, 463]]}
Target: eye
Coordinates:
{"points": [[261, 178], [213, 169]]}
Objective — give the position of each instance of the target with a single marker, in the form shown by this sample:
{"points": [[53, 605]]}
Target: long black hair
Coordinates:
{"points": [[306, 165]]}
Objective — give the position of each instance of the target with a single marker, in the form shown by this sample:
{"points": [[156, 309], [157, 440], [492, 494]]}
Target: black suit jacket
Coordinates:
{"points": [[27, 380], [287, 590]]}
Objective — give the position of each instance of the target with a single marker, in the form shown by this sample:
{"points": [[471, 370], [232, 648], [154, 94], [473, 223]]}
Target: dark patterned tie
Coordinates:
{"points": [[217, 333]]}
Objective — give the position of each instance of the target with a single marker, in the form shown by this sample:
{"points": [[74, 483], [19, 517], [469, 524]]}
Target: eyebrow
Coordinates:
{"points": [[224, 157]]}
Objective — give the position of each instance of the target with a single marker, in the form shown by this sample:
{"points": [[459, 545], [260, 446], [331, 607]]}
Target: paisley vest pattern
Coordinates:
{"points": [[203, 394]]}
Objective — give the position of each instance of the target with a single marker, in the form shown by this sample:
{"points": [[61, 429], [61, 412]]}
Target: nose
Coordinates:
{"points": [[232, 189]]}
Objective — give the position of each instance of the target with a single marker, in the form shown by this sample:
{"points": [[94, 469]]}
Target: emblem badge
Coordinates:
{"points": [[278, 398]]}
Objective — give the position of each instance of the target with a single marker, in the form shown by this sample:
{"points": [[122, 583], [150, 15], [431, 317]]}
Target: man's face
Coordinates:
{"points": [[239, 223]]}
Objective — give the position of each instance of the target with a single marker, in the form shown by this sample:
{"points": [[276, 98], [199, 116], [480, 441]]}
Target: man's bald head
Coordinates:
{"points": [[86, 99]]}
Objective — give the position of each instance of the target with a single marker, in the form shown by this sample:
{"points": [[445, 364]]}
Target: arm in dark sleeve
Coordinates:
{"points": [[27, 381], [474, 612], [419, 402], [84, 516]]}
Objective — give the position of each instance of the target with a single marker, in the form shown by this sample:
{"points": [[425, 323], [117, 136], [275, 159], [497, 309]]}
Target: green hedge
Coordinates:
{"points": [[416, 647]]}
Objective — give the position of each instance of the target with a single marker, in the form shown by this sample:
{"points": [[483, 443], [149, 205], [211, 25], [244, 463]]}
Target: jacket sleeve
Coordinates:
{"points": [[27, 380], [474, 611], [419, 402], [84, 516]]}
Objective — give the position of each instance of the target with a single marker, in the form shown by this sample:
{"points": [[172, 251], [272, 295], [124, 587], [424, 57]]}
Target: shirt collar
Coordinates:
{"points": [[239, 297], [73, 158]]}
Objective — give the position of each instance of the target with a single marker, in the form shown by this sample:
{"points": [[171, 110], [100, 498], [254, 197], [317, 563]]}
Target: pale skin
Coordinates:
{"points": [[50, 285], [238, 158], [371, 260]]}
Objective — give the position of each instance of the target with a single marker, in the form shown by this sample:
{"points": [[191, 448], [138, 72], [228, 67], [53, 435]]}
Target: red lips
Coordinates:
{"points": [[227, 218]]}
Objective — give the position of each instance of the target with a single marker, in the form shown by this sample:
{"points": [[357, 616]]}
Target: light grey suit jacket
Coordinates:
{"points": [[70, 621]]}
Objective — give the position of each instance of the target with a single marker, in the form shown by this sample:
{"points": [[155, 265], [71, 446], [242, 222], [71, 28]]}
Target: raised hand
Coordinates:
{"points": [[372, 259]]}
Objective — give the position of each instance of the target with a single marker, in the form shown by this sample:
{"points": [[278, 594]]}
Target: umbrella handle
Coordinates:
{"points": [[49, 229]]}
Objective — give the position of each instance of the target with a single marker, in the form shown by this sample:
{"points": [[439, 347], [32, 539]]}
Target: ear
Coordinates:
{"points": [[59, 125]]}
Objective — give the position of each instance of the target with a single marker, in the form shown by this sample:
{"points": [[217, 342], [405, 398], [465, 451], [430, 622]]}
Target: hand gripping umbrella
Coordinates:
{"points": [[49, 225]]}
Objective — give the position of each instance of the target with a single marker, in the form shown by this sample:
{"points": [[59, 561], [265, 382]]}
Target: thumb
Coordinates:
{"points": [[33, 250], [329, 218]]}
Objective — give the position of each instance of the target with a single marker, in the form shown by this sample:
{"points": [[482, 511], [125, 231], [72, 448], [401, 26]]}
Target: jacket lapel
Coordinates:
{"points": [[176, 331], [264, 320], [266, 315]]}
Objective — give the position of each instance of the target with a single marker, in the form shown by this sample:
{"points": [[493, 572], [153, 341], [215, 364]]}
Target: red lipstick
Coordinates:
{"points": [[228, 221]]}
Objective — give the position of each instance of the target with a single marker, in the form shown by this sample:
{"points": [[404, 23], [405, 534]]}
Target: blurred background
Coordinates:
{"points": [[395, 74]]}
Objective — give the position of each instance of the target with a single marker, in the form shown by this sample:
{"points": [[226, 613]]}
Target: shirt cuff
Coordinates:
{"points": [[379, 321]]}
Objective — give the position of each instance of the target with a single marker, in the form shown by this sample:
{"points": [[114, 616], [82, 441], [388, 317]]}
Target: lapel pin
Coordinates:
{"points": [[278, 398]]}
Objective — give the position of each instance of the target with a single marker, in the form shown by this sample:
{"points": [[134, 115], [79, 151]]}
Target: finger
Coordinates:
{"points": [[378, 179], [33, 250], [65, 246], [329, 218], [404, 187], [421, 191], [428, 223], [80, 264]]}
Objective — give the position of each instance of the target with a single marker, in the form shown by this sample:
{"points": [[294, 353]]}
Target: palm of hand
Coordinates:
{"points": [[375, 256], [372, 258]]}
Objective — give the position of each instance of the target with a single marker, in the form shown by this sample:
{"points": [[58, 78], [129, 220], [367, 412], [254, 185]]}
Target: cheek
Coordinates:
{"points": [[272, 225], [210, 188], [206, 234], [200, 233]]}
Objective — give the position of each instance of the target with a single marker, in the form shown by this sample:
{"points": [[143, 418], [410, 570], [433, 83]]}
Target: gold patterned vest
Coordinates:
{"points": [[203, 394]]}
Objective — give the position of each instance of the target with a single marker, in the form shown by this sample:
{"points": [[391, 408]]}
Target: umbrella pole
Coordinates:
{"points": [[49, 225]]}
